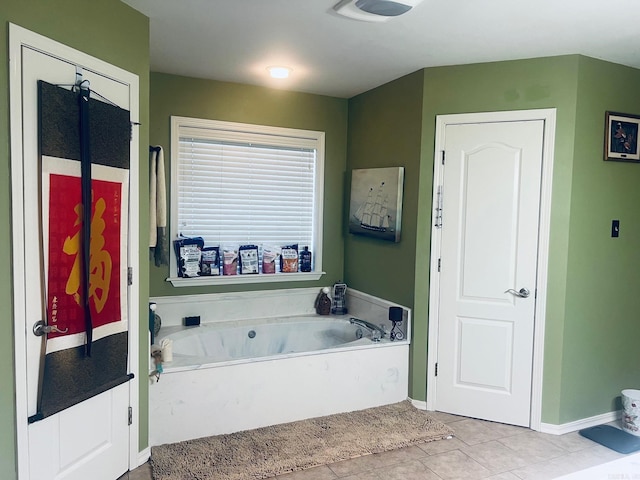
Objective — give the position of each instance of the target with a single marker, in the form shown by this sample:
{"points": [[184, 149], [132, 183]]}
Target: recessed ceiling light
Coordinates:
{"points": [[279, 72]]}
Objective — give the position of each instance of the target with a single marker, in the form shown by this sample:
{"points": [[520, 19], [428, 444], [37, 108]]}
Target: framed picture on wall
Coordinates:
{"points": [[375, 208], [621, 137]]}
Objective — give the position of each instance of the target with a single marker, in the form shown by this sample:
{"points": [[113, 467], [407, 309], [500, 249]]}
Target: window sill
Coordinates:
{"points": [[245, 279]]}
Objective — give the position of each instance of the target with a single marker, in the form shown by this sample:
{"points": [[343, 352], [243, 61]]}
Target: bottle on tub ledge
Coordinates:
{"points": [[339, 302], [323, 302]]}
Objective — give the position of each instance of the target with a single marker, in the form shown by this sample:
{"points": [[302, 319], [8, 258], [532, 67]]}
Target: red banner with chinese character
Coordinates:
{"points": [[64, 280]]}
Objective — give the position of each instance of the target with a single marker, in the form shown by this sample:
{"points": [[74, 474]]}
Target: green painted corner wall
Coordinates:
{"points": [[117, 34], [513, 85], [385, 130], [601, 328], [591, 316], [382, 119], [192, 97]]}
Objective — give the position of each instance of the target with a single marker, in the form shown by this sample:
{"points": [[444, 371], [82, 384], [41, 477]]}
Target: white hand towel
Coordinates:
{"points": [[158, 207]]}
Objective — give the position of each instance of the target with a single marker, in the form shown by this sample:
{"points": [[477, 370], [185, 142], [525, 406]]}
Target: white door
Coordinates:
{"points": [[490, 203], [92, 438]]}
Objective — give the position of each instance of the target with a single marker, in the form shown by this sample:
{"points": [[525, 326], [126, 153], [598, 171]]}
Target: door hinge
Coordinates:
{"points": [[439, 265], [130, 416], [438, 222], [436, 369], [129, 275], [442, 157]]}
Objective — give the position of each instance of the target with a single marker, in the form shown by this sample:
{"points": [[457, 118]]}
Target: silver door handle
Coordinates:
{"points": [[522, 293], [40, 329]]}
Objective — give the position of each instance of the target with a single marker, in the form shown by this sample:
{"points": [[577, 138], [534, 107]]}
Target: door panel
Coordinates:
{"points": [[65, 447], [90, 439], [485, 354], [487, 222], [489, 242]]}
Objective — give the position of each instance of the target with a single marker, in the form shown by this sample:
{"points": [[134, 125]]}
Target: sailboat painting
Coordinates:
{"points": [[375, 208]]}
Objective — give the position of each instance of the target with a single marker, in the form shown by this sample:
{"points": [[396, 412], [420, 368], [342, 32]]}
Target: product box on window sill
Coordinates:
{"points": [[196, 260]]}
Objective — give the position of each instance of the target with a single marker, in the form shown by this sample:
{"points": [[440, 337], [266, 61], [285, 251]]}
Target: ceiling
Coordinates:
{"points": [[236, 40]]}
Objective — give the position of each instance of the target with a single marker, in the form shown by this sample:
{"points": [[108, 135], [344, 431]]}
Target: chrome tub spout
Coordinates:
{"points": [[377, 332]]}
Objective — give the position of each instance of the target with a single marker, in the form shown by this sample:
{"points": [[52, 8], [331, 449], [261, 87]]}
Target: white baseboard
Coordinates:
{"points": [[579, 424], [144, 456], [556, 429], [419, 404]]}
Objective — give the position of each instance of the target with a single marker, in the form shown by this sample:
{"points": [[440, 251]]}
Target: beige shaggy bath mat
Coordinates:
{"points": [[278, 449]]}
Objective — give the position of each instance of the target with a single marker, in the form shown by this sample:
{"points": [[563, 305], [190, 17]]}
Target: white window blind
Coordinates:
{"points": [[233, 194], [238, 184]]}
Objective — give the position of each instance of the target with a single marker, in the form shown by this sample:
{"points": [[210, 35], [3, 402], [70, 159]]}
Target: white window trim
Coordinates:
{"points": [[230, 128]]}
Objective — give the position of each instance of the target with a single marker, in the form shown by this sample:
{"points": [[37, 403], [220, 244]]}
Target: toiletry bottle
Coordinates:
{"points": [[323, 302], [305, 260]]}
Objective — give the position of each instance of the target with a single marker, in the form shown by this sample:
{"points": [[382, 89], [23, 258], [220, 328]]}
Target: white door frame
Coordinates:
{"points": [[442, 121], [19, 37]]}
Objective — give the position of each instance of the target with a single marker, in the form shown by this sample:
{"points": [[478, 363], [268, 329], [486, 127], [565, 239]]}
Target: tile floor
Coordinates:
{"points": [[479, 450]]}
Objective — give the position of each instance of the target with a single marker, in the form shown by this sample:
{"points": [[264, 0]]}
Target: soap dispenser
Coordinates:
{"points": [[323, 302]]}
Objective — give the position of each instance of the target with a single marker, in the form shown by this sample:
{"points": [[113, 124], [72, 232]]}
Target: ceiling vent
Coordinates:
{"points": [[374, 10]]}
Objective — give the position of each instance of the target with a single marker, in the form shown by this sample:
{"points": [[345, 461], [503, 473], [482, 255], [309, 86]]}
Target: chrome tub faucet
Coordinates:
{"points": [[377, 332]]}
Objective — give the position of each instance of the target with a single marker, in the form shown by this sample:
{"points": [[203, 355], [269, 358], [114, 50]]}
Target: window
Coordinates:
{"points": [[237, 184]]}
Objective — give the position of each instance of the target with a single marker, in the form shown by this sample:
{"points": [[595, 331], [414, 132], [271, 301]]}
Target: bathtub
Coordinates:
{"points": [[239, 375], [219, 344]]}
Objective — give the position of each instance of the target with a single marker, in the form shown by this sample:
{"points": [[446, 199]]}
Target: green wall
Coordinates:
{"points": [[385, 130], [591, 307], [385, 127], [117, 34], [514, 85], [528, 84], [192, 97], [601, 328]]}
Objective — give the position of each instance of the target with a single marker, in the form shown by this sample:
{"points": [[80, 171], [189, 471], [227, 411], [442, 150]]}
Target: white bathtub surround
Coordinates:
{"points": [[229, 398], [196, 398], [223, 307], [376, 310]]}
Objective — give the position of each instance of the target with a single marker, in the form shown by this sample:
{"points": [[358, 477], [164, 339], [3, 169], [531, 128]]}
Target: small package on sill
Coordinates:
{"points": [[188, 255], [270, 257], [210, 261], [248, 259], [230, 261], [289, 259]]}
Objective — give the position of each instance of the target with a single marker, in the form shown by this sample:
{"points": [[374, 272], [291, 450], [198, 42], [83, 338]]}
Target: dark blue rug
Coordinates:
{"points": [[613, 438]]}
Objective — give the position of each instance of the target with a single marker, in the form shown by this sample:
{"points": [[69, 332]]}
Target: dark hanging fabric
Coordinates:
{"points": [[74, 127], [72, 377], [85, 162], [60, 135]]}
